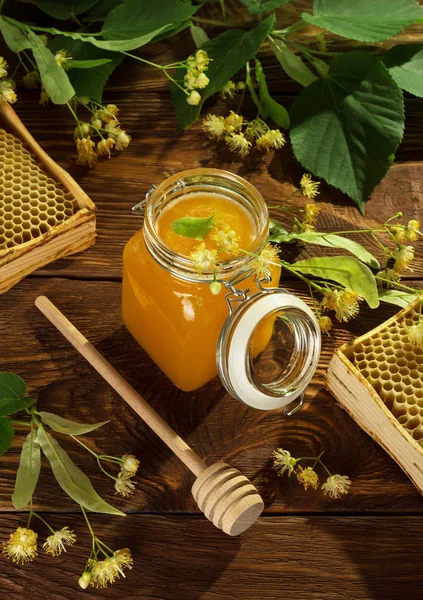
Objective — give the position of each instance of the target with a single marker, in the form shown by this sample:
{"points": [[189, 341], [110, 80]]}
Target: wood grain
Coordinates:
{"points": [[280, 558], [216, 426]]}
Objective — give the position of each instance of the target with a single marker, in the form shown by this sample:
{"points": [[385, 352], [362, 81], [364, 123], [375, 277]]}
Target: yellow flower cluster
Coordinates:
{"points": [[334, 486], [7, 86], [105, 125], [101, 573], [22, 544], [195, 77], [343, 302], [403, 254], [56, 542], [63, 59], [124, 486], [240, 135]]}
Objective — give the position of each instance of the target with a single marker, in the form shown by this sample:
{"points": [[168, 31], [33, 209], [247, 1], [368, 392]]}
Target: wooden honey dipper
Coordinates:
{"points": [[222, 493]]}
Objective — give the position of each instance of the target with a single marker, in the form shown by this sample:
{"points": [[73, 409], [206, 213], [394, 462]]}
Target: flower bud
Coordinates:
{"points": [[84, 580], [194, 98], [96, 123], [215, 288], [85, 128]]}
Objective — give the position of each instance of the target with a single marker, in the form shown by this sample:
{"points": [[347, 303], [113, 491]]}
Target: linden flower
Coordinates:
{"points": [[268, 256], [311, 213], [203, 259], [122, 140], [107, 116], [238, 143], [344, 303], [21, 546], [104, 146], [272, 139], [233, 122], [112, 109], [283, 462], [103, 572], [44, 98], [403, 256], [194, 98], [307, 477], [336, 485], [228, 90], [215, 288], [202, 60], [86, 152], [131, 463], [55, 543], [390, 278], [202, 81], [63, 58], [408, 233], [84, 580], [31, 80], [214, 126], [123, 484], [3, 67], [227, 240], [325, 324], [415, 334], [309, 188], [122, 559], [7, 92], [255, 129]]}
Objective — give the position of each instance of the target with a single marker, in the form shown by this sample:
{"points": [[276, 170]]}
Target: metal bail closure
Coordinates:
{"points": [[268, 350]]}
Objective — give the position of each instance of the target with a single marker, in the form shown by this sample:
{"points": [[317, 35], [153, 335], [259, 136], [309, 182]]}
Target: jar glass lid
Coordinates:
{"points": [[268, 349]]}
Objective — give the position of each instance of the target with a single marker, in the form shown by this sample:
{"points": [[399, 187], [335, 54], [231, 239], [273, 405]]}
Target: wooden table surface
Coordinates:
{"points": [[366, 545]]}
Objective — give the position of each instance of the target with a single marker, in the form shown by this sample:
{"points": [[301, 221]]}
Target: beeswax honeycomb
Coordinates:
{"points": [[31, 202], [394, 368]]}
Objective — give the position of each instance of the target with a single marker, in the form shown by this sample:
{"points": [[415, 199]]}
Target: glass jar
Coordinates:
{"points": [[262, 341]]}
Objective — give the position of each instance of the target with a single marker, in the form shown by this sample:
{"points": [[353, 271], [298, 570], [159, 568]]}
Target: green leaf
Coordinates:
{"points": [[171, 30], [396, 297], [54, 78], [273, 109], [93, 85], [364, 20], [14, 37], [276, 231], [70, 478], [63, 9], [11, 385], [194, 227], [88, 64], [344, 127], [256, 7], [8, 406], [405, 65], [28, 471], [330, 240], [136, 18], [100, 10], [346, 271], [229, 52], [291, 63], [66, 426], [6, 434], [199, 36]]}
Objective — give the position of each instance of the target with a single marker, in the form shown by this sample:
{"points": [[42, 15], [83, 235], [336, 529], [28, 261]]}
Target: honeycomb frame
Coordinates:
{"points": [[44, 214], [378, 380]]}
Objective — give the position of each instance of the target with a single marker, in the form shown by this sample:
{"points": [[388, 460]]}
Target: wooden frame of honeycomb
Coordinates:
{"points": [[44, 214], [378, 379]]}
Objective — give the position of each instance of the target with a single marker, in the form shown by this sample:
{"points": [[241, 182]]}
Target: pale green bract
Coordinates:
{"points": [[28, 471], [14, 37], [291, 63], [345, 270], [345, 127], [62, 425], [396, 297], [70, 478], [193, 227], [272, 109], [405, 65], [364, 20]]}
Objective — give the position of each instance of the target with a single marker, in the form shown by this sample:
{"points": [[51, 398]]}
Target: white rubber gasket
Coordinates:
{"points": [[239, 345]]}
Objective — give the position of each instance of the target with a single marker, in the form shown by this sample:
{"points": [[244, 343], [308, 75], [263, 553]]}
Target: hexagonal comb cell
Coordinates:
{"points": [[31, 203], [394, 368]]}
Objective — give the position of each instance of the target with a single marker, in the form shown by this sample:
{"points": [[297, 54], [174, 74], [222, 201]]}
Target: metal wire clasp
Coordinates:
{"points": [[139, 208], [238, 295]]}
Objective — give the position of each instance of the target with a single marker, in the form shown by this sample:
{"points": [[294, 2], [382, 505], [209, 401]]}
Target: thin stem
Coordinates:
{"points": [[105, 545], [104, 470], [31, 512], [29, 59], [113, 459], [289, 268], [148, 62], [318, 459], [211, 22], [287, 198], [78, 122], [84, 446], [401, 285], [24, 423], [325, 468], [292, 28], [43, 521], [88, 523]]}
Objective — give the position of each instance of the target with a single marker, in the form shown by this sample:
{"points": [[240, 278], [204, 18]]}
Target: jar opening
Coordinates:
{"points": [[195, 181]]}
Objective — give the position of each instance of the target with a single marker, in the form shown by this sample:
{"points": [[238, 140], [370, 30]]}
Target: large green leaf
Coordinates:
{"points": [[135, 18], [11, 385], [53, 77], [345, 127], [100, 10], [15, 38], [63, 9], [229, 52], [405, 65], [364, 20], [8, 406], [89, 85], [28, 471], [66, 426], [329, 240], [70, 478], [396, 297], [291, 63], [272, 109], [6, 434], [256, 7], [346, 271]]}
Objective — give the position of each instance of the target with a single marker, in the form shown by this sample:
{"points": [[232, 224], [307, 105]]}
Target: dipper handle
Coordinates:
{"points": [[122, 387]]}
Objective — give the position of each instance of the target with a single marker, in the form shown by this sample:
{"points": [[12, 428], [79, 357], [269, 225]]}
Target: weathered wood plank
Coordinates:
{"points": [[177, 557], [217, 426]]}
